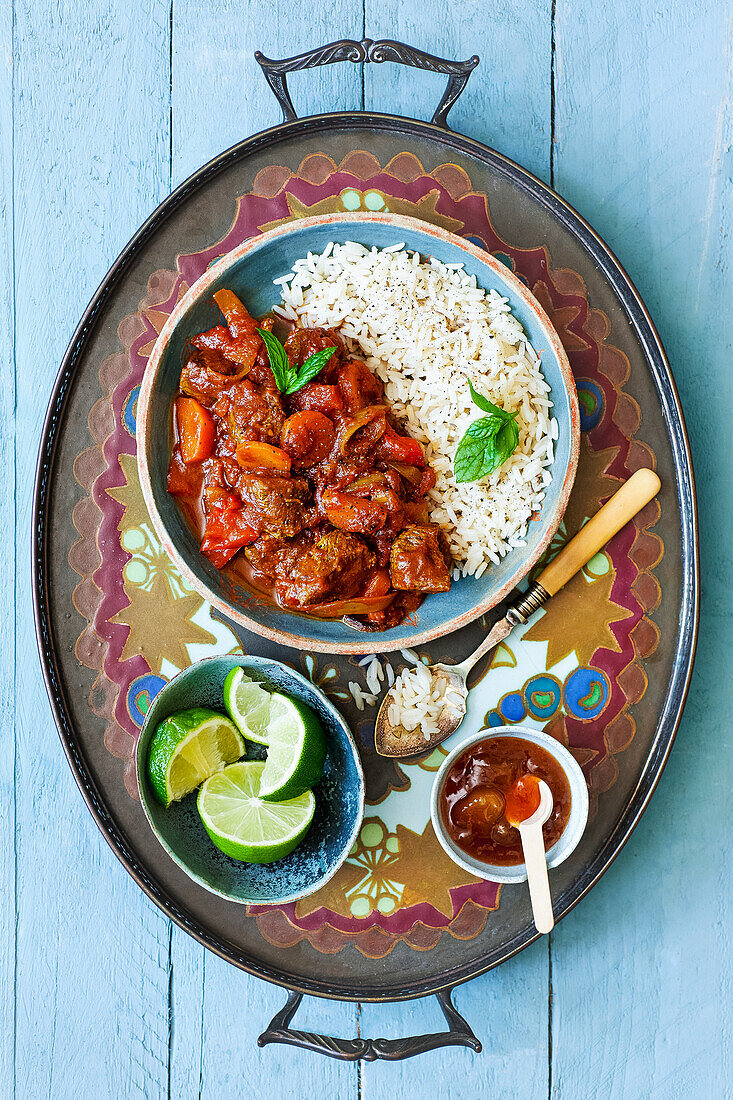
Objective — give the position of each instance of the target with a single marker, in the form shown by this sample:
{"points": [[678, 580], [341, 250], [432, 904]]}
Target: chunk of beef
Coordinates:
{"points": [[304, 342], [274, 556], [334, 568], [224, 352], [200, 381], [221, 475], [318, 397], [275, 505], [261, 371], [183, 478], [354, 513], [417, 562], [252, 413]]}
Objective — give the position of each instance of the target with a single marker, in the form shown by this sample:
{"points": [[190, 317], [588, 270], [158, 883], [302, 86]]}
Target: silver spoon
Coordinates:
{"points": [[634, 494]]}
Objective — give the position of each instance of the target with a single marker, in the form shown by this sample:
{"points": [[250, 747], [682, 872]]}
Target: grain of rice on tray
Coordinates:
{"points": [[425, 328]]}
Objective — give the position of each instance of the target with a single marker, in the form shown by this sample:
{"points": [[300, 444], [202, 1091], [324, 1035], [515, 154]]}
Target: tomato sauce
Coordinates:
{"points": [[494, 783]]}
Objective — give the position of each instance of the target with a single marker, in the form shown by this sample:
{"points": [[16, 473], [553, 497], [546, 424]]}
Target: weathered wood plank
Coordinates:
{"points": [[506, 103], [219, 95], [507, 1011], [7, 560], [90, 143], [642, 970], [236, 1008], [186, 1015]]}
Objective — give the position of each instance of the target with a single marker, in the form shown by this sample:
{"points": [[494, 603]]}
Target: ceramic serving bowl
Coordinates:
{"points": [[572, 833], [249, 270], [339, 793]]}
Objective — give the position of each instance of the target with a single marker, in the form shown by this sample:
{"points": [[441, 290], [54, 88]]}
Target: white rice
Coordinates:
{"points": [[374, 676], [362, 698], [425, 328], [418, 700]]}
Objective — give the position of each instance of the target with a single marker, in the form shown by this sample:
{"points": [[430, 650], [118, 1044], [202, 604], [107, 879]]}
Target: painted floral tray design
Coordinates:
{"points": [[577, 669]]}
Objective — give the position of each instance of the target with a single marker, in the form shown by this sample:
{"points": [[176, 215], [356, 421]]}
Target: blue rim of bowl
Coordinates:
{"points": [[571, 834], [370, 643], [140, 764]]}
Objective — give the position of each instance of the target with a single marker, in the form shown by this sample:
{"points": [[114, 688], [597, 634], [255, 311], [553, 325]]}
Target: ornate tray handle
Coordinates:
{"points": [[348, 49], [351, 1050]]}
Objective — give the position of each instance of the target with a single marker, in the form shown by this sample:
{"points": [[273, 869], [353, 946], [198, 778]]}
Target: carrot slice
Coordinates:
{"points": [[196, 430]]}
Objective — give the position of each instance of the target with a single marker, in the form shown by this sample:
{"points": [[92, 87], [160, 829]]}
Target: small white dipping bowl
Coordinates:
{"points": [[578, 805]]}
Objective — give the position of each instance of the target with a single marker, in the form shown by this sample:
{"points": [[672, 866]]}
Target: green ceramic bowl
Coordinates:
{"points": [[249, 270], [339, 793]]}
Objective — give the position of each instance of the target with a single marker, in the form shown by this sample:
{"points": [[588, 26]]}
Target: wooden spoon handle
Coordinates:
{"points": [[535, 861], [623, 506]]}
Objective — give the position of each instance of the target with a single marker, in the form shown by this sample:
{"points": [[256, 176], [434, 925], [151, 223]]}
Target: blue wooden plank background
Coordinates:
{"points": [[626, 108]]}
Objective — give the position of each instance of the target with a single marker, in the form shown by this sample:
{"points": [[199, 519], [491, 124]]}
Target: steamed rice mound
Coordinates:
{"points": [[425, 328]]}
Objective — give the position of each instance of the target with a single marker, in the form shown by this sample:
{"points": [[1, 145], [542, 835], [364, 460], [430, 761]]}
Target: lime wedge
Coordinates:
{"points": [[189, 747], [296, 750], [248, 705], [242, 825], [279, 706]]}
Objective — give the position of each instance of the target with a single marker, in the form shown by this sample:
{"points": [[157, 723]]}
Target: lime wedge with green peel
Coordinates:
{"points": [[296, 750], [248, 705], [245, 827], [189, 747]]}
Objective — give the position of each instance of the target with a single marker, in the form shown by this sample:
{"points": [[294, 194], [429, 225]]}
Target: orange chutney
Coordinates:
{"points": [[494, 780]]}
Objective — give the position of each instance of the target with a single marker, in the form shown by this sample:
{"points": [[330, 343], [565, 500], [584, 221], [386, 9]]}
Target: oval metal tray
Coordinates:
{"points": [[619, 721]]}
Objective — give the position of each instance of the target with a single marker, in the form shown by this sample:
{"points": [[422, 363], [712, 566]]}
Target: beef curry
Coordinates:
{"points": [[296, 478]]}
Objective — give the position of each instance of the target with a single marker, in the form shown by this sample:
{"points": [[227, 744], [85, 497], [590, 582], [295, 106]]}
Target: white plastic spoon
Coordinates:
{"points": [[533, 846]]}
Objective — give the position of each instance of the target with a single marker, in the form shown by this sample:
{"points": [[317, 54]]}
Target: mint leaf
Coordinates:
{"points": [[476, 455], [291, 379], [484, 404], [313, 365], [279, 364], [507, 439], [487, 443]]}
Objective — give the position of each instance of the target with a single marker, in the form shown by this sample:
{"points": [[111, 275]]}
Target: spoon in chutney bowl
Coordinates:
{"points": [[393, 739], [526, 793]]}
